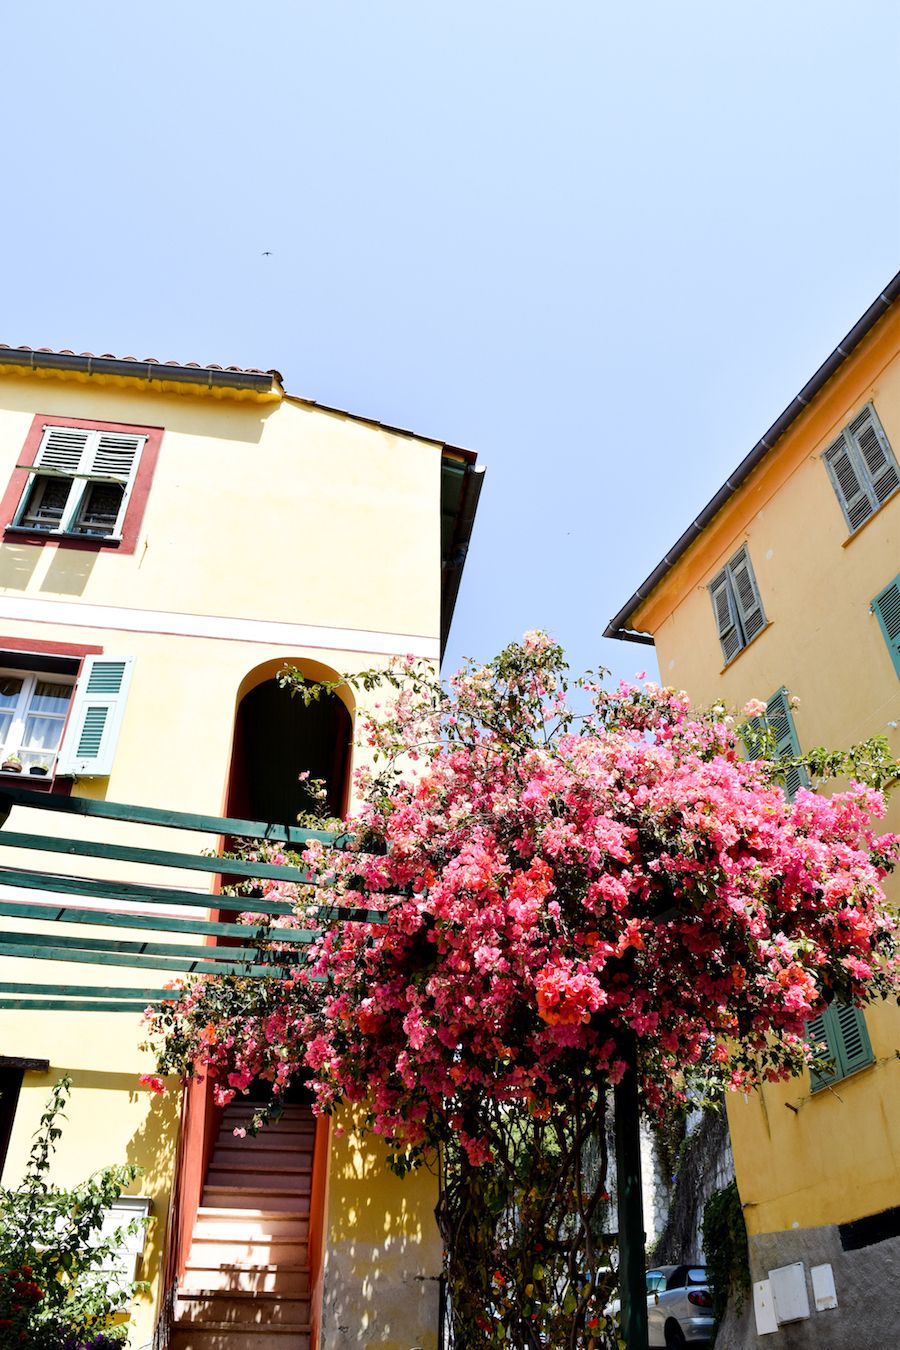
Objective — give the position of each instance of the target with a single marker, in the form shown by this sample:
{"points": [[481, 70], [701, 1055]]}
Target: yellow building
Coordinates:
{"points": [[786, 587], [172, 535]]}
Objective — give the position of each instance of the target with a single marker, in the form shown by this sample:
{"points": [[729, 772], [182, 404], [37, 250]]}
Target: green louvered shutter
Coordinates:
{"points": [[726, 619], [842, 1030], [781, 723], [746, 592], [96, 718], [854, 1046], [887, 607], [877, 455], [849, 487], [817, 1032]]}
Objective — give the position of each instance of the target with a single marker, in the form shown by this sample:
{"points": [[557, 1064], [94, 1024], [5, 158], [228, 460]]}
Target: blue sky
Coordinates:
{"points": [[603, 245]]}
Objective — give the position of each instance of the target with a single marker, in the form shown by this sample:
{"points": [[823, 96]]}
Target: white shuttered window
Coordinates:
{"points": [[80, 482]]}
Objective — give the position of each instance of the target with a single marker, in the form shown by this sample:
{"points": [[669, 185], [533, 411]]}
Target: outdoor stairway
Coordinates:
{"points": [[246, 1285]]}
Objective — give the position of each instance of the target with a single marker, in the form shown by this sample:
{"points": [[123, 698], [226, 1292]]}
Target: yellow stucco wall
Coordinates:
{"points": [[803, 1160], [307, 499], [383, 1263], [263, 513]]}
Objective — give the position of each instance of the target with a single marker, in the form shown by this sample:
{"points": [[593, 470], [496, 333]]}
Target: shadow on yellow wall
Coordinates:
{"points": [[69, 572], [384, 1250], [17, 564]]}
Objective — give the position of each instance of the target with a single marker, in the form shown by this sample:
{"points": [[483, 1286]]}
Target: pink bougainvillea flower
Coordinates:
{"points": [[554, 885]]}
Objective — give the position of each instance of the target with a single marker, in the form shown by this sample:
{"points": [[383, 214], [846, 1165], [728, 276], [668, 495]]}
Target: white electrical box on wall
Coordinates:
{"points": [[763, 1308], [789, 1293], [119, 1215], [824, 1291]]}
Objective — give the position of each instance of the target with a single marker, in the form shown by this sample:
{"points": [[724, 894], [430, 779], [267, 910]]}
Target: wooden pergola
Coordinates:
{"points": [[195, 945]]}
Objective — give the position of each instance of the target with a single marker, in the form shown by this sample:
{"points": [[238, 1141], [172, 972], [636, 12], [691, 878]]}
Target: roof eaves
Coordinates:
{"points": [[617, 626], [467, 478], [129, 367], [470, 456]]}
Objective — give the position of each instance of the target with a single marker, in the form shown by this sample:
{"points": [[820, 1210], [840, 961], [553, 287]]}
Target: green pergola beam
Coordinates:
{"points": [[90, 991], [138, 891], [178, 820], [90, 888], [192, 949], [175, 964], [156, 857], [71, 1005], [111, 918]]}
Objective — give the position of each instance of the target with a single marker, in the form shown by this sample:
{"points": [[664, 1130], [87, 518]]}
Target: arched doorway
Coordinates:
{"points": [[278, 738]]}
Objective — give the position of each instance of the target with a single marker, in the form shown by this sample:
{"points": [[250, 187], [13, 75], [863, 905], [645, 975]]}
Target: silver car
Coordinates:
{"points": [[679, 1306]]}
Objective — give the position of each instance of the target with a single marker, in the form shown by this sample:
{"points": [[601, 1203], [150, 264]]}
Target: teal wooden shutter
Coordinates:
{"points": [[847, 482], [854, 1046], [841, 1029], [96, 718], [877, 455], [726, 619], [780, 720], [887, 607], [746, 593], [817, 1034]]}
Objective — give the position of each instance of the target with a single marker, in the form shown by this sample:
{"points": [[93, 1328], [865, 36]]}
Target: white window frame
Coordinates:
{"points": [[12, 744], [81, 477]]}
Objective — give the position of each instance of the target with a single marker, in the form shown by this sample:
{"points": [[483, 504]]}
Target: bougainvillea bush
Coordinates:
{"points": [[561, 874], [59, 1286]]}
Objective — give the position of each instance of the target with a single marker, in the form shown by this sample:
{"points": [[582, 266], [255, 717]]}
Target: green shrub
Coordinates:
{"points": [[59, 1286], [725, 1244]]}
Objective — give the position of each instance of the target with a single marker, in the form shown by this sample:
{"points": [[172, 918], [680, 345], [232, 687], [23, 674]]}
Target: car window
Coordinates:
{"points": [[697, 1275], [656, 1282]]}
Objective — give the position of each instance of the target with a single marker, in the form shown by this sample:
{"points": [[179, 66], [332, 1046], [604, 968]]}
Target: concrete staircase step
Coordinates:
{"points": [[283, 1279], [274, 1134], [251, 1167], [292, 1117], [275, 1198], [226, 1336], [214, 1250], [244, 1221], [240, 1307], [259, 1152], [249, 1105]]}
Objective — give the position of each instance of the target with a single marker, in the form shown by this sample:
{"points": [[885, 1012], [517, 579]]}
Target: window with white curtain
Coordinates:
{"points": [[33, 708]]}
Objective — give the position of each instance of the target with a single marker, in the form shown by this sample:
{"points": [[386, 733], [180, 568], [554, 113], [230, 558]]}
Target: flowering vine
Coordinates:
{"points": [[559, 872]]}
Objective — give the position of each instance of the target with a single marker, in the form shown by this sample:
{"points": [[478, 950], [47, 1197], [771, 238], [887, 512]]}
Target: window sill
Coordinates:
{"points": [[22, 534], [728, 664], [868, 520], [33, 781], [817, 1089]]}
